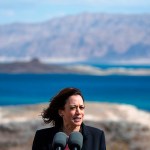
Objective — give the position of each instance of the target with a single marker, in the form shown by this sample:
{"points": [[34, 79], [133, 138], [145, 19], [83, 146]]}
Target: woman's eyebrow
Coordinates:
{"points": [[73, 105], [76, 105]]}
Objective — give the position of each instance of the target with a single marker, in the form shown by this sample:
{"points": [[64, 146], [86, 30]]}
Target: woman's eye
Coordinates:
{"points": [[76, 107], [82, 107], [72, 108]]}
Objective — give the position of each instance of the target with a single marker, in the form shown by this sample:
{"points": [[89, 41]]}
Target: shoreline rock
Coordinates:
{"points": [[94, 111]]}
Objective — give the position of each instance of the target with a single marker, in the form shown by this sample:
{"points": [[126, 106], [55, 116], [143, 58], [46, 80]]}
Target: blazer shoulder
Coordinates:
{"points": [[44, 135], [46, 132], [93, 129], [94, 138], [42, 138]]}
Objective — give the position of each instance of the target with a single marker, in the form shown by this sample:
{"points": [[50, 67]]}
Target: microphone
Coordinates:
{"points": [[75, 141], [59, 141]]}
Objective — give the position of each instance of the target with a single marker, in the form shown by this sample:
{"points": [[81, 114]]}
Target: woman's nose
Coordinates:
{"points": [[78, 110]]}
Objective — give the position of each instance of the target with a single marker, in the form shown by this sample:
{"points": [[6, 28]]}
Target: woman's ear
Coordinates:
{"points": [[60, 112]]}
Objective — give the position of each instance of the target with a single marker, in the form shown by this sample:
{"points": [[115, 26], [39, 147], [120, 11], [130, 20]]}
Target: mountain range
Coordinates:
{"points": [[99, 38]]}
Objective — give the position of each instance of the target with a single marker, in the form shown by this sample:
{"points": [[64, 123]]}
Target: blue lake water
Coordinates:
{"points": [[36, 88]]}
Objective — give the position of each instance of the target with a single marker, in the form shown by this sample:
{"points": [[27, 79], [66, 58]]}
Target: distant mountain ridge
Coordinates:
{"points": [[83, 37]]}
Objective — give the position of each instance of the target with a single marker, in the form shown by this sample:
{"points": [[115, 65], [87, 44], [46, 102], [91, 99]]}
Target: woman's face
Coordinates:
{"points": [[73, 112]]}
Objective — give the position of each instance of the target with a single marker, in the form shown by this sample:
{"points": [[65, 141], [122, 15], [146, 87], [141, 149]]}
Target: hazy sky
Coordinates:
{"points": [[31, 11]]}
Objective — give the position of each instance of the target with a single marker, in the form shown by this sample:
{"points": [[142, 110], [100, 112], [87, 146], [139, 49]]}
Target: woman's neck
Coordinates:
{"points": [[68, 129]]}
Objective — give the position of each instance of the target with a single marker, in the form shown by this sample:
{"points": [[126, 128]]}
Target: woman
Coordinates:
{"points": [[66, 113]]}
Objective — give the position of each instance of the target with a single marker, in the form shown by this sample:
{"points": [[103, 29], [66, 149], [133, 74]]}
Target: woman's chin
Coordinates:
{"points": [[77, 123]]}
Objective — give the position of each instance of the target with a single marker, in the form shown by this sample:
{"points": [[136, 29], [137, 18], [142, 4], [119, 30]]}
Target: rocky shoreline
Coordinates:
{"points": [[125, 126], [36, 67]]}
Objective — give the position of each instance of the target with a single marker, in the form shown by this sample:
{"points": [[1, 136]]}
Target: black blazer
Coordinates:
{"points": [[93, 138]]}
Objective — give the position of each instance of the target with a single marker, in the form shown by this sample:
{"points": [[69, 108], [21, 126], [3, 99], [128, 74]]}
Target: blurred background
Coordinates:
{"points": [[101, 47]]}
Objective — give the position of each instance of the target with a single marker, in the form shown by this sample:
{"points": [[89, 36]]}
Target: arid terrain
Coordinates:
{"points": [[126, 127]]}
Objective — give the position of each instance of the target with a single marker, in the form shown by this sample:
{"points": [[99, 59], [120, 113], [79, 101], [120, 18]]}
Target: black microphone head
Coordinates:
{"points": [[59, 140], [75, 140]]}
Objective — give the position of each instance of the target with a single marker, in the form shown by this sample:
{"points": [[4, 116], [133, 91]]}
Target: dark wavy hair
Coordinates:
{"points": [[51, 114]]}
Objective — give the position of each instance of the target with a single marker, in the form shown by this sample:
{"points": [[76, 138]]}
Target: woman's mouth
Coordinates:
{"points": [[77, 119]]}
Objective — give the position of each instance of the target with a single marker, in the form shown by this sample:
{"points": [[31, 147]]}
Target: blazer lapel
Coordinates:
{"points": [[86, 137]]}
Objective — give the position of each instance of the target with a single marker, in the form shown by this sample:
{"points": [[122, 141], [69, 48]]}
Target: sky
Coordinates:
{"points": [[33, 11]]}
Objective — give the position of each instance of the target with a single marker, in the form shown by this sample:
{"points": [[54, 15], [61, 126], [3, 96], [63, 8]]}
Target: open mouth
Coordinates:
{"points": [[77, 119]]}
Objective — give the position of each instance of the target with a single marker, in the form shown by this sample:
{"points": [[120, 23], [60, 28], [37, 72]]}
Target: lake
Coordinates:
{"points": [[16, 89]]}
